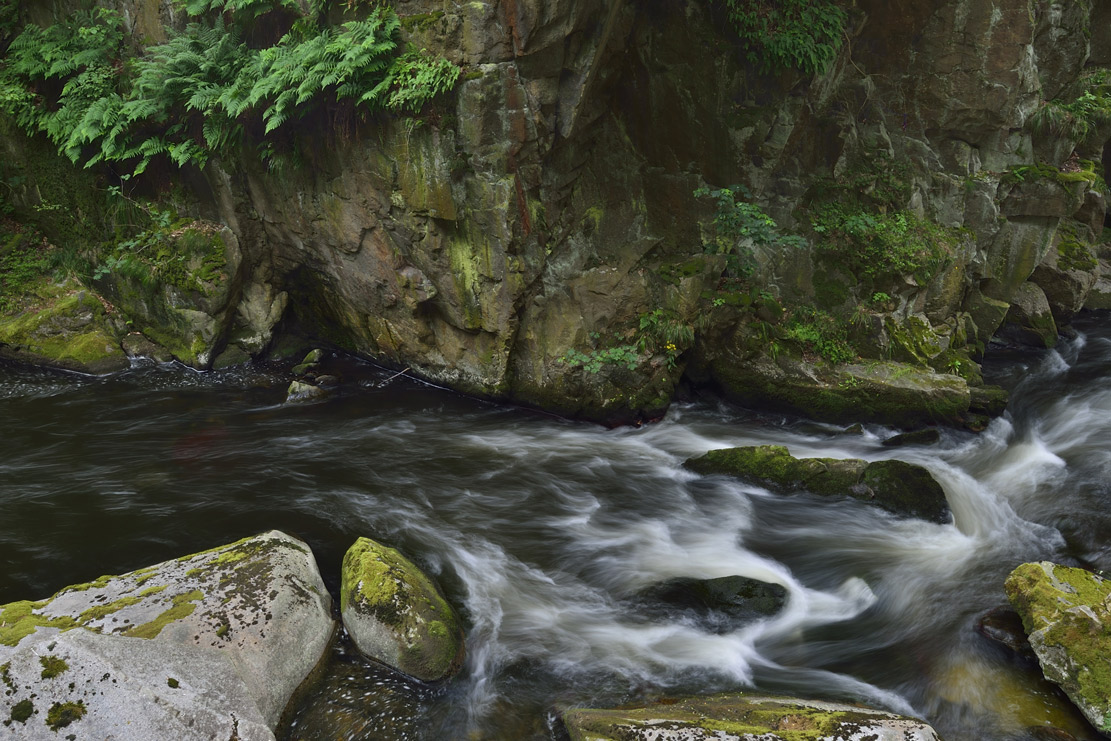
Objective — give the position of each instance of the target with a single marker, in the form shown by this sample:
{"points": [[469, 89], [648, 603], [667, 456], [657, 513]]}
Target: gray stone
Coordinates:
{"points": [[245, 622], [741, 717]]}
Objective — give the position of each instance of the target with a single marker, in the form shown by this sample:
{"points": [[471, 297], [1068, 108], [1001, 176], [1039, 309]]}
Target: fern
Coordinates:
{"points": [[197, 93], [786, 34]]}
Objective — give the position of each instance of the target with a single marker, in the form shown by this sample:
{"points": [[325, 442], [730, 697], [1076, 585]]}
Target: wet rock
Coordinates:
{"points": [[917, 437], [988, 400], [202, 647], [300, 392], [396, 614], [721, 605], [742, 717], [901, 488], [1004, 626], [1029, 320], [1066, 613]]}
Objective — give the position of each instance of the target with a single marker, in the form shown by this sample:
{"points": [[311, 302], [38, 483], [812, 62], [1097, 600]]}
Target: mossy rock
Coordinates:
{"points": [[257, 605], [1066, 613], [903, 489], [396, 614], [63, 326], [742, 717]]}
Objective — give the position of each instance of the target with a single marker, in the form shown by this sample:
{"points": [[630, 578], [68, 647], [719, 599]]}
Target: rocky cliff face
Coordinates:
{"points": [[536, 237]]}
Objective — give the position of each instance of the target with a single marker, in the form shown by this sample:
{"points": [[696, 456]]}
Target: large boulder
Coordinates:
{"points": [[1066, 613], [901, 488], [742, 717], [202, 647], [396, 614]]}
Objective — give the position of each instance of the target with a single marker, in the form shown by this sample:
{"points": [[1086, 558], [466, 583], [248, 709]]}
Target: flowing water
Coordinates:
{"points": [[549, 536]]}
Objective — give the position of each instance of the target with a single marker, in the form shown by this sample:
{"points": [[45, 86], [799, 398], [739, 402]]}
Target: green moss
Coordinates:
{"points": [[98, 612], [735, 716], [420, 21], [18, 620], [1073, 608], [5, 675], [52, 666], [183, 605], [172, 683], [379, 581], [61, 714], [22, 710], [1074, 255]]}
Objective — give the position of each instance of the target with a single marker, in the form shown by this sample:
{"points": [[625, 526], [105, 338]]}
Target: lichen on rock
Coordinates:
{"points": [[743, 717], [249, 620], [1066, 613], [396, 614]]}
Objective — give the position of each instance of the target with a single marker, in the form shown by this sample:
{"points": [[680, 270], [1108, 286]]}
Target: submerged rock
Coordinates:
{"points": [[206, 646], [901, 488], [742, 717], [1067, 615], [395, 614], [720, 605]]}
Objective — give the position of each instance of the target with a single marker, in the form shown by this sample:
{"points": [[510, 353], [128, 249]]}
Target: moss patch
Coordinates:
{"points": [[52, 666], [61, 714], [183, 606], [724, 715], [22, 710], [18, 620]]}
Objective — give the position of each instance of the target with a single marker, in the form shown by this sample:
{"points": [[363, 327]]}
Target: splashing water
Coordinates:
{"points": [[550, 537]]}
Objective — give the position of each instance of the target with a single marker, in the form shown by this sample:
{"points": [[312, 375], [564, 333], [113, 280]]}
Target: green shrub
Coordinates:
{"points": [[821, 333], [788, 34], [877, 245], [738, 225]]}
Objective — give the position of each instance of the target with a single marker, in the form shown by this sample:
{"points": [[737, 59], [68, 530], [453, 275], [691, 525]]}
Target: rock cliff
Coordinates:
{"points": [[535, 235]]}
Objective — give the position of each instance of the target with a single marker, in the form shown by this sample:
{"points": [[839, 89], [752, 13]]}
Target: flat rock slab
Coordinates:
{"points": [[1066, 613], [741, 717], [257, 607]]}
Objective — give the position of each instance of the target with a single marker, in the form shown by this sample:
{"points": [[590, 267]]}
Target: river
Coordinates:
{"points": [[548, 534]]}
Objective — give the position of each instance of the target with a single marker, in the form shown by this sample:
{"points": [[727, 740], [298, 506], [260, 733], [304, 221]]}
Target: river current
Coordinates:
{"points": [[548, 535]]}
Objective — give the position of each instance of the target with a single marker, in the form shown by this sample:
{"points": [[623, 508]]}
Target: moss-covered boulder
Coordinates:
{"points": [[62, 325], [1066, 613], [396, 614], [191, 649], [745, 718], [901, 488], [869, 391]]}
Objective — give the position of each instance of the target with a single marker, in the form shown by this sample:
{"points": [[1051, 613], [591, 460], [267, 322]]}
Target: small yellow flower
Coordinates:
{"points": [[671, 347]]}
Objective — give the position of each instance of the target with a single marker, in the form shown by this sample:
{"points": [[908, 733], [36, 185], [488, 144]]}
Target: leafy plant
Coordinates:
{"points": [[738, 225], [877, 245], [788, 34], [198, 94], [594, 361], [821, 333]]}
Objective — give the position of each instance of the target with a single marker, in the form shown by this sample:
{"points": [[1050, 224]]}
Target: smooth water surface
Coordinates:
{"points": [[548, 535]]}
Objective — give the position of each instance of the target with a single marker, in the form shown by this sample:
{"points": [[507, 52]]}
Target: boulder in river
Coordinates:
{"points": [[212, 645], [1067, 615], [901, 488], [725, 603], [742, 717], [396, 614]]}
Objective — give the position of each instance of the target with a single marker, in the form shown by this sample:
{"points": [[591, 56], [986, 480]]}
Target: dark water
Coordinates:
{"points": [[547, 534]]}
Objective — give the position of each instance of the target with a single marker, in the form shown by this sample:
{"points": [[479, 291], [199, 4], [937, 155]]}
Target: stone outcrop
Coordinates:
{"points": [[1066, 613], [208, 646], [396, 614], [901, 488], [742, 717]]}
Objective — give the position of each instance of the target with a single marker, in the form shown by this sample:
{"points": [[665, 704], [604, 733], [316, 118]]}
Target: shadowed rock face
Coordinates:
{"points": [[1067, 616], [203, 647], [512, 242]]}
